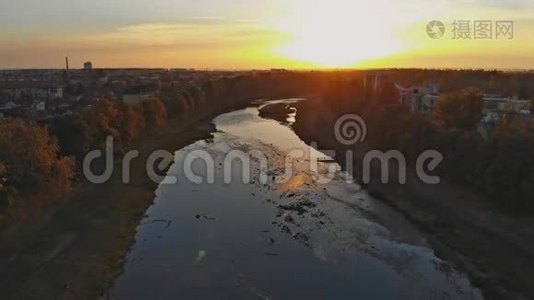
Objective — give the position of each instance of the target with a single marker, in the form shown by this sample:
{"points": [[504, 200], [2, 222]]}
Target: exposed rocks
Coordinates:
{"points": [[307, 203], [285, 229], [294, 207], [205, 217], [301, 238], [166, 222], [289, 219]]}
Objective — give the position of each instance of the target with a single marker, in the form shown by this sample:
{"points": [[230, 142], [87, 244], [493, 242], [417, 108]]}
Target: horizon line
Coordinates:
{"points": [[275, 69]]}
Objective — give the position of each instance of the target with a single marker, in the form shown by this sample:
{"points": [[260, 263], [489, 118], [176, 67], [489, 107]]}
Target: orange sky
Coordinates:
{"points": [[238, 34]]}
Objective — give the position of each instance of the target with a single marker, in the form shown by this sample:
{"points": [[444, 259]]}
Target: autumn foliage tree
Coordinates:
{"points": [[103, 119], [131, 123], [176, 105], [460, 110], [30, 159], [74, 135], [389, 94], [5, 194], [154, 113]]}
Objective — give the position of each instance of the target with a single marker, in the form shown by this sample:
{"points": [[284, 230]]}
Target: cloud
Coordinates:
{"points": [[203, 41], [192, 33]]}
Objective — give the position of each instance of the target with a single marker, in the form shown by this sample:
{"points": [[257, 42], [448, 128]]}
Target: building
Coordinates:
{"points": [[135, 94], [419, 98], [131, 99], [375, 80], [423, 98], [39, 106], [506, 105], [8, 106], [427, 103], [88, 66], [33, 90]]}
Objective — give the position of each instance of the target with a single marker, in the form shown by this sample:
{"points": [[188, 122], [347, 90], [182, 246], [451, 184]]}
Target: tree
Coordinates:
{"points": [[522, 92], [198, 96], [30, 156], [5, 192], [460, 110], [73, 134], [506, 169], [131, 122], [154, 113], [176, 106], [3, 178], [388, 94], [189, 100], [103, 120]]}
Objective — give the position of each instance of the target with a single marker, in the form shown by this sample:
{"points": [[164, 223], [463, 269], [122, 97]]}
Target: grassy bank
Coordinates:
{"points": [[495, 249], [76, 252]]}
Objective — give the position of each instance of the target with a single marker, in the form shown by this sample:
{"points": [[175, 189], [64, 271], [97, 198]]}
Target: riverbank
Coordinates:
{"points": [[495, 249], [78, 251]]}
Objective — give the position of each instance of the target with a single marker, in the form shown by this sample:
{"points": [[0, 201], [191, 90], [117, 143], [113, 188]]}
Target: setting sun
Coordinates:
{"points": [[259, 34], [338, 33]]}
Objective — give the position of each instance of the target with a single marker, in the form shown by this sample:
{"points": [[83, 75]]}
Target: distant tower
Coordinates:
{"points": [[67, 63], [88, 66]]}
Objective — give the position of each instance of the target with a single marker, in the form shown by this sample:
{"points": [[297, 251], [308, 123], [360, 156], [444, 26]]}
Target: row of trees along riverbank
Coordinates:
{"points": [[40, 161], [501, 166]]}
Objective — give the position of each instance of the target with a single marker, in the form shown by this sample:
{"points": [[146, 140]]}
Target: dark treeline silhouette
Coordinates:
{"points": [[508, 84], [500, 166]]}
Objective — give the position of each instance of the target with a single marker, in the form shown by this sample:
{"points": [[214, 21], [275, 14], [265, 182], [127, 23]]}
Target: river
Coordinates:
{"points": [[289, 236]]}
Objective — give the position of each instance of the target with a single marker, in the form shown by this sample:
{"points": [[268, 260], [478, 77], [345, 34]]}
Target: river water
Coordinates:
{"points": [[290, 236]]}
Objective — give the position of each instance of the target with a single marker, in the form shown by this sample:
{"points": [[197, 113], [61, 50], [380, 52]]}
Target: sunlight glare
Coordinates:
{"points": [[338, 33]]}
